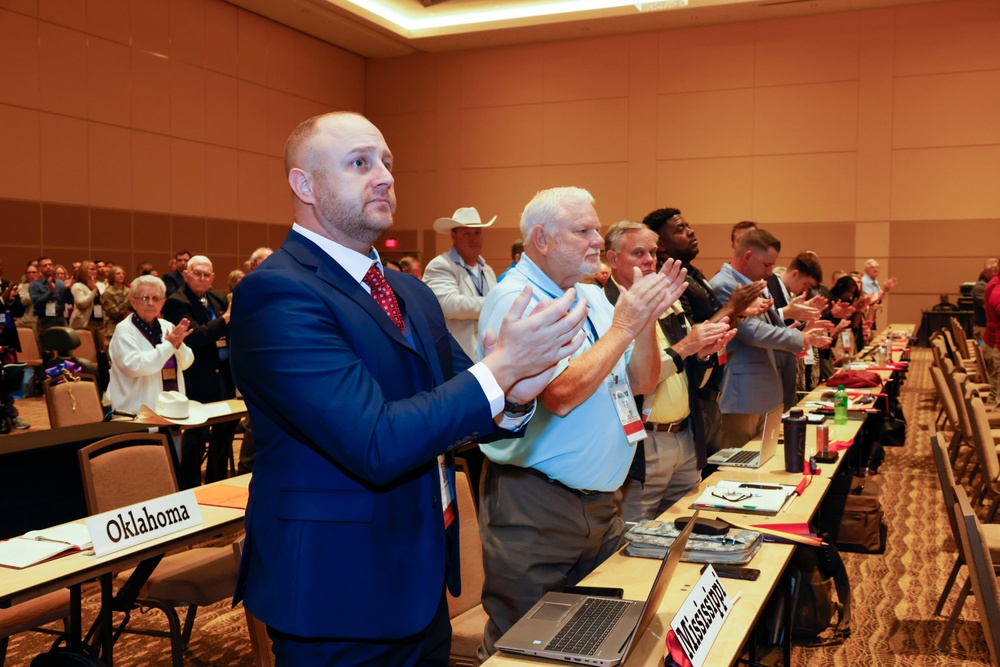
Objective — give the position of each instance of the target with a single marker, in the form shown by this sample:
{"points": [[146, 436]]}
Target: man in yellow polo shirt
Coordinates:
{"points": [[666, 462]]}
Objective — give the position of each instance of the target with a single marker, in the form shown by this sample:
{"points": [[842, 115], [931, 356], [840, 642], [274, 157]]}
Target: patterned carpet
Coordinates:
{"points": [[894, 594]]}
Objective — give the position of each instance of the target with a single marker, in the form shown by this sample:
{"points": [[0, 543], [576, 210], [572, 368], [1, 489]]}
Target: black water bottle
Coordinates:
{"points": [[795, 440]]}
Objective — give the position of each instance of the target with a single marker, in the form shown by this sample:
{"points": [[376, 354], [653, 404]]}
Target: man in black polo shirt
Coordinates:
{"points": [[677, 240]]}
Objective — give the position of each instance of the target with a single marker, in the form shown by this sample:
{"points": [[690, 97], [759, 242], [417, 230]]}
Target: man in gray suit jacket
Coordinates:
{"points": [[752, 384]]}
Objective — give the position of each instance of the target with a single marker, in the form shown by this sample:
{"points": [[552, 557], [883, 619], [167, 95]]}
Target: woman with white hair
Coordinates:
{"points": [[148, 354]]}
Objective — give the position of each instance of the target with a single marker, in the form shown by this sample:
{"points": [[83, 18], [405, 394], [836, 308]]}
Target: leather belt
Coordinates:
{"points": [[676, 427], [541, 475]]}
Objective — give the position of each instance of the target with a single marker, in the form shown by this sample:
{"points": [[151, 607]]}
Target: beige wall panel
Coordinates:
{"points": [[222, 50], [420, 200], [279, 194], [948, 37], [150, 92], [222, 171], [253, 175], [29, 7], [109, 166], [339, 77], [191, 234], [222, 238], [585, 131], [283, 45], [64, 159], [826, 239], [707, 191], [252, 114], [254, 46], [874, 239], [947, 109], [109, 81], [20, 159], [945, 238], [69, 13], [875, 115], [150, 172], [111, 229], [807, 49], [252, 236], [187, 31], [21, 228], [809, 118], [608, 183], [150, 23], [19, 68], [413, 140], [642, 112], [284, 113], [403, 85], [187, 101], [818, 187], [587, 70], [500, 192], [62, 75], [502, 136], [111, 19], [957, 182], [502, 77], [934, 275], [65, 227], [222, 103], [188, 178], [710, 58], [705, 124], [151, 232]]}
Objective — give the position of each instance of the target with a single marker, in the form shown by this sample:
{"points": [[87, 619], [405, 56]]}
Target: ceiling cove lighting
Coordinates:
{"points": [[417, 23]]}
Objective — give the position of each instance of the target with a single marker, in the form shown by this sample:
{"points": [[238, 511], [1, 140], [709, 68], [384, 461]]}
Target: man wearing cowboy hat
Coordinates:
{"points": [[460, 278]]}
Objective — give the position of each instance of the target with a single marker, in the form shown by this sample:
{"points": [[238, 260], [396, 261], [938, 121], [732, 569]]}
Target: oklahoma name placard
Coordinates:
{"points": [[143, 522]]}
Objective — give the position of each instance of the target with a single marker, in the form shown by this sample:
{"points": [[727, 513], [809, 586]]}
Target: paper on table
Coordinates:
{"points": [[223, 495], [72, 534]]}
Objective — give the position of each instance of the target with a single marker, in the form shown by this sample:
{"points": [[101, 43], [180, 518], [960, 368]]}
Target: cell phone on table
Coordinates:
{"points": [[734, 572], [596, 591]]}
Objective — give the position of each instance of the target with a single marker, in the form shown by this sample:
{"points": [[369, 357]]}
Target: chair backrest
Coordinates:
{"points": [[73, 403], [979, 424], [981, 573], [947, 400], [88, 348], [949, 342], [126, 469], [471, 548], [958, 335], [937, 348], [946, 476], [29, 353], [981, 370], [260, 645], [955, 380]]}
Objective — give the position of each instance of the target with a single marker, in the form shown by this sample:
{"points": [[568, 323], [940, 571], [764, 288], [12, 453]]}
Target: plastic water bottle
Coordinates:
{"points": [[840, 406]]}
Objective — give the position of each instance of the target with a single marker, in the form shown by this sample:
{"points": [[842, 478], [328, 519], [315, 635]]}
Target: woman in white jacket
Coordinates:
{"points": [[148, 354]]}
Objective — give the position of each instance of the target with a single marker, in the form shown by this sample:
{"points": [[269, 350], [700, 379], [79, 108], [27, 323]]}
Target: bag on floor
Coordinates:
{"points": [[854, 517], [66, 657]]}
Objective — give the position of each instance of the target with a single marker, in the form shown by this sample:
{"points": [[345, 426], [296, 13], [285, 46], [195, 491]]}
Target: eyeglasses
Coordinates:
{"points": [[733, 496], [149, 299], [201, 275]]}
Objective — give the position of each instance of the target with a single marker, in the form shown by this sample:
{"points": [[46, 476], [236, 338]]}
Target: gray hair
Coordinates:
{"points": [[870, 263], [255, 256], [200, 259], [548, 206], [613, 239], [148, 280]]}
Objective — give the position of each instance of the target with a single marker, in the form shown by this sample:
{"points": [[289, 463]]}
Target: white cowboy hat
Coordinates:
{"points": [[466, 216], [173, 407]]}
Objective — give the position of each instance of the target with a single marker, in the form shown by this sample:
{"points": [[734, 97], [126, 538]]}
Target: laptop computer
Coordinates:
{"points": [[748, 457], [592, 630]]}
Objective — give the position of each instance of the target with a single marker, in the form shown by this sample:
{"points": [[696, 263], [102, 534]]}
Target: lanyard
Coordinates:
{"points": [[479, 282], [591, 330]]}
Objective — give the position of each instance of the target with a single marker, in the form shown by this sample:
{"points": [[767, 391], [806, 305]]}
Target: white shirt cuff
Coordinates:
{"points": [[494, 394]]}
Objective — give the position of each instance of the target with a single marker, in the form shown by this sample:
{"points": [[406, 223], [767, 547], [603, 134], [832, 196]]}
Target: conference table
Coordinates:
{"points": [[70, 571], [635, 575]]}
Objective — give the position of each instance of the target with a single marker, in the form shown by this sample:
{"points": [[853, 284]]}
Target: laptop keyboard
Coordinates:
{"points": [[589, 627], [742, 457]]}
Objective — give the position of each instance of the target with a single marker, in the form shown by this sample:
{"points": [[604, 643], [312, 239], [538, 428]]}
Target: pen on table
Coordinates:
{"points": [[770, 487]]}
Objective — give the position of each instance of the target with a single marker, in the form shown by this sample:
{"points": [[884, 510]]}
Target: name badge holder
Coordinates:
{"points": [[50, 309], [628, 412]]}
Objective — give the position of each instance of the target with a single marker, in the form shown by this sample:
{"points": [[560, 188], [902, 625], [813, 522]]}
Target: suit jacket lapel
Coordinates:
{"points": [[419, 329]]}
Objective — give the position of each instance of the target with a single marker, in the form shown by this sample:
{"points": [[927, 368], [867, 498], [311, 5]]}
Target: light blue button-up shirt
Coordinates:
{"points": [[587, 449]]}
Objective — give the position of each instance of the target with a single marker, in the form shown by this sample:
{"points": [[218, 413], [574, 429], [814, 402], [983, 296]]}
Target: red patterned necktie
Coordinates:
{"points": [[384, 295]]}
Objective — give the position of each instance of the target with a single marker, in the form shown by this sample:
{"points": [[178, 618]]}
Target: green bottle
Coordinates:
{"points": [[840, 406]]}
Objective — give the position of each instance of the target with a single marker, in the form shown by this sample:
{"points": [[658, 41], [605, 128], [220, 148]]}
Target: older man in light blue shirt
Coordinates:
{"points": [[548, 510]]}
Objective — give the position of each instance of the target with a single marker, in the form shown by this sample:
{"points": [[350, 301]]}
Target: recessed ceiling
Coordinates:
{"points": [[387, 28]]}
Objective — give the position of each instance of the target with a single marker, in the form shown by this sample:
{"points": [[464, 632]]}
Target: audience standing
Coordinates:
{"points": [[114, 299], [49, 297], [174, 279]]}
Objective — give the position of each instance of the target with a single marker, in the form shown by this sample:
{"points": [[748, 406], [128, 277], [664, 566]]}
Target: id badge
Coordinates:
{"points": [[168, 374], [98, 312], [447, 494], [722, 356], [810, 356], [628, 412], [50, 309], [221, 343]]}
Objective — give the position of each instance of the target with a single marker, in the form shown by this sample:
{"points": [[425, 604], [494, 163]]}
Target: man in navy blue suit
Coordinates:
{"points": [[358, 393]]}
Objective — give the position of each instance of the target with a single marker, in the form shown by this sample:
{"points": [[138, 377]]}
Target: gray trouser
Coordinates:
{"points": [[671, 471], [538, 536]]}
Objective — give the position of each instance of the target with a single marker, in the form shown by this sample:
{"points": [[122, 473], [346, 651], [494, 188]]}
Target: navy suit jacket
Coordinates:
{"points": [[345, 532]]}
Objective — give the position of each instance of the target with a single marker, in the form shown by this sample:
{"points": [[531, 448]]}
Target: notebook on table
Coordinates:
{"points": [[753, 456], [592, 630]]}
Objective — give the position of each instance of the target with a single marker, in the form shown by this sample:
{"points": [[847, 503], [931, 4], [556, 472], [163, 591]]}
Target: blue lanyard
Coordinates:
{"points": [[480, 282], [592, 331]]}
